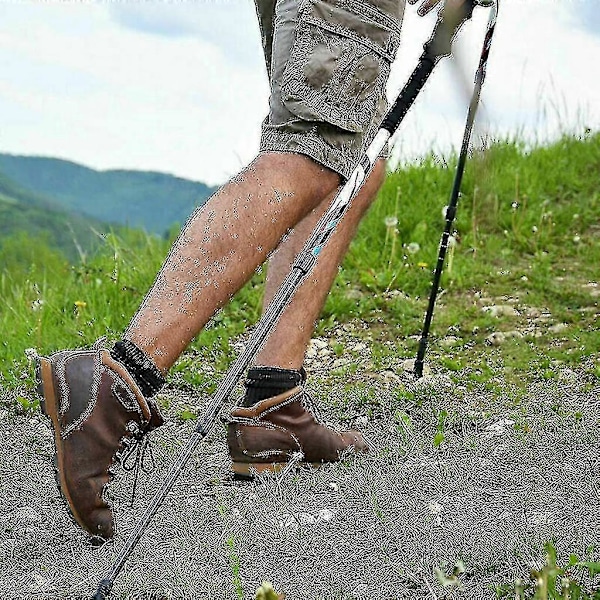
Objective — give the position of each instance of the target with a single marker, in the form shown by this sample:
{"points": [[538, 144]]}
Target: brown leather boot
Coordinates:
{"points": [[267, 435], [97, 413]]}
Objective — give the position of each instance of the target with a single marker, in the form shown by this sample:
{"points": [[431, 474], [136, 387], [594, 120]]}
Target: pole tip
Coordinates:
{"points": [[418, 370], [103, 590]]}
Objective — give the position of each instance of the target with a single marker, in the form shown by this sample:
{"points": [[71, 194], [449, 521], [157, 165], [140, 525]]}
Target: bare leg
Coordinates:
{"points": [[287, 343], [222, 245]]}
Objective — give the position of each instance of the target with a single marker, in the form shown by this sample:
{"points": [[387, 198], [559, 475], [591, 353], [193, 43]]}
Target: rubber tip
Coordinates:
{"points": [[103, 590], [418, 369]]}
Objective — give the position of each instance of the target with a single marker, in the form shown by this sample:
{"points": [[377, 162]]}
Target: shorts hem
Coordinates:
{"points": [[307, 143], [311, 144]]}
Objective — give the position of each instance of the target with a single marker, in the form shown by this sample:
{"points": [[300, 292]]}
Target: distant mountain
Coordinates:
{"points": [[142, 199], [22, 211]]}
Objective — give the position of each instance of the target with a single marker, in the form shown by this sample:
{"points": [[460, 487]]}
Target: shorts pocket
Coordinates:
{"points": [[339, 63]]}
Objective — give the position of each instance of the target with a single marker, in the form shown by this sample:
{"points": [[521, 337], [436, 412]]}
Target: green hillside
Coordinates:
{"points": [[25, 215], [149, 200]]}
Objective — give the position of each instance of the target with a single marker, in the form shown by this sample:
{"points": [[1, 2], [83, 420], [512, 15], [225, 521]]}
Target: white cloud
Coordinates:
{"points": [[536, 82], [229, 25], [110, 97], [104, 85]]}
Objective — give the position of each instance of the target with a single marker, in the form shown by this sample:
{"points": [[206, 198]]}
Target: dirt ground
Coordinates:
{"points": [[510, 475]]}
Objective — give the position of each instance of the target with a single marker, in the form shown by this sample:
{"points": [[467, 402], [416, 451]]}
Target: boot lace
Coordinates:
{"points": [[136, 446]]}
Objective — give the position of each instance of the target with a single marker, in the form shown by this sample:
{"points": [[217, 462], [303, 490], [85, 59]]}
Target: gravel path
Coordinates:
{"points": [[512, 473]]}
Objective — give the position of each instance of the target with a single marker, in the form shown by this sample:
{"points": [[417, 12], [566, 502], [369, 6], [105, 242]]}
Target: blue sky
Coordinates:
{"points": [[181, 87]]}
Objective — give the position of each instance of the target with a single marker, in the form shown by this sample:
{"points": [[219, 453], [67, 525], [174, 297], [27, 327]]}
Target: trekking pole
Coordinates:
{"points": [[454, 196], [438, 46]]}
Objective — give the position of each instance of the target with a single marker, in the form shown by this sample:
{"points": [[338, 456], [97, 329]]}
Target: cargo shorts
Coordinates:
{"points": [[328, 63]]}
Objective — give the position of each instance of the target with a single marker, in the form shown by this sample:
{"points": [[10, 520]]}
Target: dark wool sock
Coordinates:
{"points": [[266, 382], [140, 367]]}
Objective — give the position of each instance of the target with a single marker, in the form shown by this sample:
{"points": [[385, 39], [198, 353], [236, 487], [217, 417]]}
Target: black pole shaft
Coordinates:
{"points": [[455, 194], [438, 46]]}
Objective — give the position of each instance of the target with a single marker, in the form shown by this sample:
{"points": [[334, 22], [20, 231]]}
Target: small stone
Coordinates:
{"points": [[499, 337], [449, 341], [326, 515], [291, 523], [359, 347], [396, 294], [340, 362], [390, 377], [496, 339], [306, 519], [353, 294], [499, 427], [318, 344], [501, 310], [27, 513], [567, 375], [43, 584]]}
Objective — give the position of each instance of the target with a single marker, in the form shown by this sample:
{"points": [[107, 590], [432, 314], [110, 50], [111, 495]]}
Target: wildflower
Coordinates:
{"points": [[514, 205], [576, 239], [78, 307], [37, 304], [390, 222], [534, 229], [422, 265], [413, 248]]}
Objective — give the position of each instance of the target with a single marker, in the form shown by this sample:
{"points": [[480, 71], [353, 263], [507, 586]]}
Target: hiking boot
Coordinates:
{"points": [[266, 436], [98, 415]]}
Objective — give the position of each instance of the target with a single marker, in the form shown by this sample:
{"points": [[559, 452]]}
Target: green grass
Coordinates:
{"points": [[553, 582], [526, 232]]}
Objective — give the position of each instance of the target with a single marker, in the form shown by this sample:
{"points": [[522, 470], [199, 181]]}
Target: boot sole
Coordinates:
{"points": [[249, 470], [49, 408]]}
